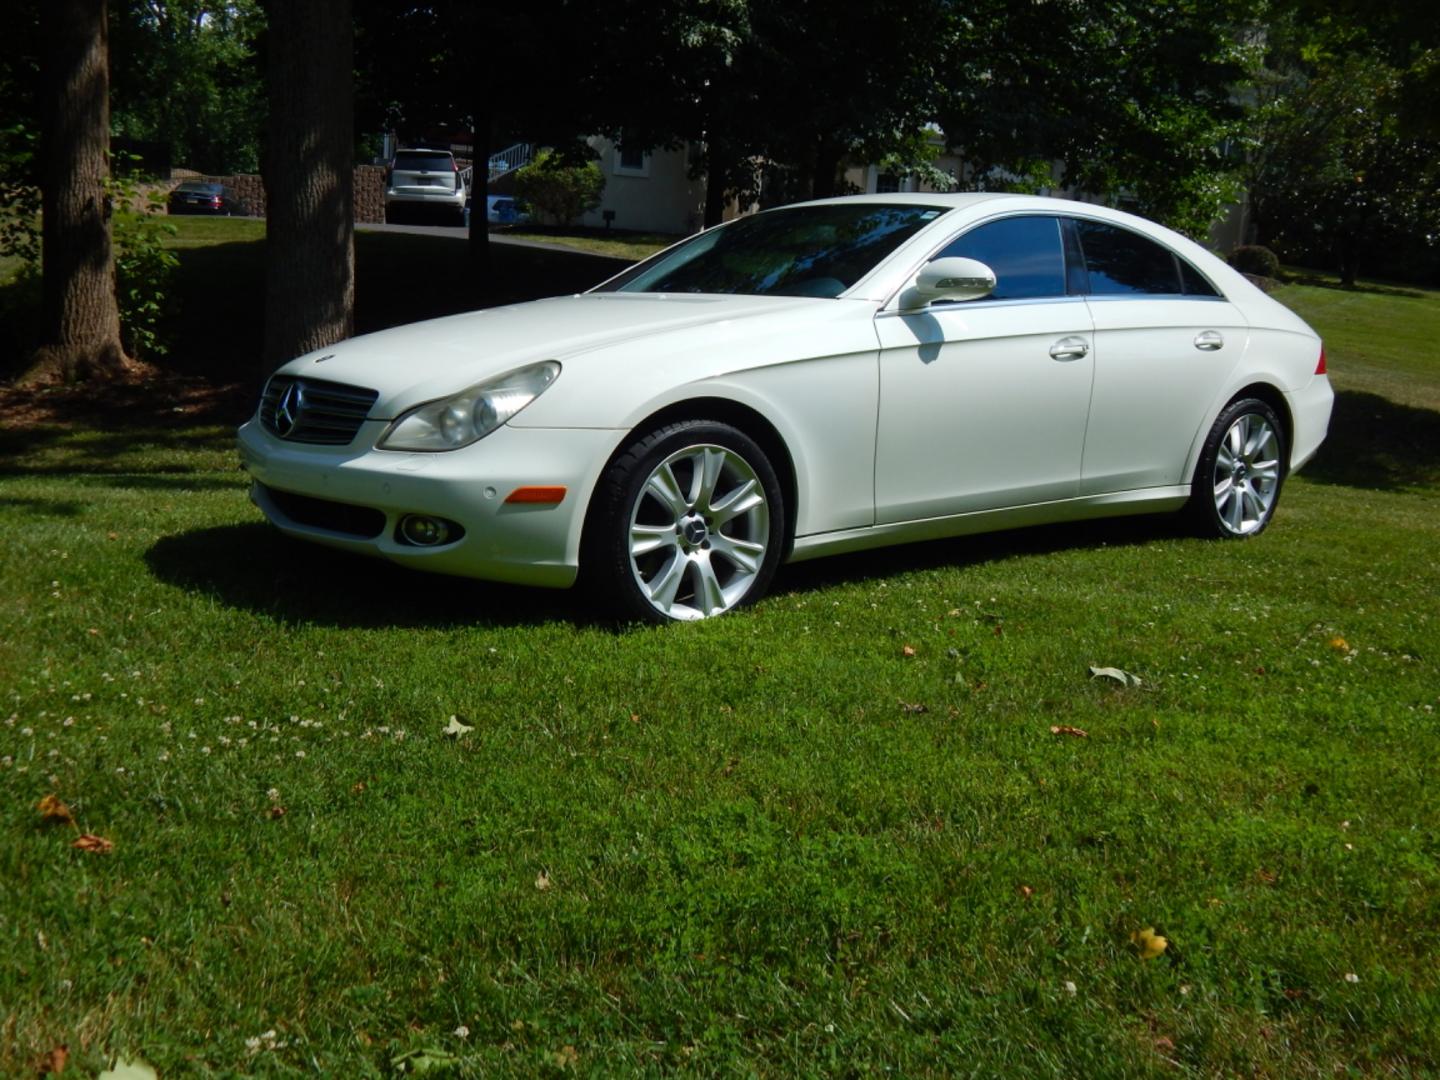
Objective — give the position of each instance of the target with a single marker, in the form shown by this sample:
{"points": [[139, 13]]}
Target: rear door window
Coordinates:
{"points": [[1027, 254], [1121, 262]]}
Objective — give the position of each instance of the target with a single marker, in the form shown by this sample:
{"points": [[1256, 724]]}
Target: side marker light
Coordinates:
{"points": [[536, 496]]}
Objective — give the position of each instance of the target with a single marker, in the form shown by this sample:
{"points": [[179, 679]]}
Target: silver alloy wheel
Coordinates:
{"points": [[699, 530], [1247, 474]]}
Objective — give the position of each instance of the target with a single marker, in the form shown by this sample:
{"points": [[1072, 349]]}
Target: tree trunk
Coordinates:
{"points": [[716, 177], [479, 198], [827, 167], [309, 178], [80, 317]]}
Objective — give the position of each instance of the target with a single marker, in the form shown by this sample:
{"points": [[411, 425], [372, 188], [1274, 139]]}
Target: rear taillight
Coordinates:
{"points": [[1320, 367]]}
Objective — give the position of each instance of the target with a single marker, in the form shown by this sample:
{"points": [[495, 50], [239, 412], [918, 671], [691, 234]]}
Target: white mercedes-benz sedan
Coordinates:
{"points": [[825, 377]]}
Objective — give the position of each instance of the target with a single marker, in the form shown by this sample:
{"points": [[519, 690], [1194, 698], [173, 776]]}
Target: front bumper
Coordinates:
{"points": [[523, 544]]}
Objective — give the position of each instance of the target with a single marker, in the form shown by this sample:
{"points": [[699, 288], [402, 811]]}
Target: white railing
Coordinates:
{"points": [[510, 159]]}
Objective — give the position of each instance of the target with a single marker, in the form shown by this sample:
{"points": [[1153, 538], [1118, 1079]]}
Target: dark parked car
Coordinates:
{"points": [[206, 197]]}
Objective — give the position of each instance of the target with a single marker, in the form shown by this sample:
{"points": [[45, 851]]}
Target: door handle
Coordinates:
{"points": [[1209, 340], [1069, 348]]}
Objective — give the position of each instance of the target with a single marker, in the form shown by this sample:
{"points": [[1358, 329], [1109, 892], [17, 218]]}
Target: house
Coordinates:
{"points": [[647, 190], [653, 191]]}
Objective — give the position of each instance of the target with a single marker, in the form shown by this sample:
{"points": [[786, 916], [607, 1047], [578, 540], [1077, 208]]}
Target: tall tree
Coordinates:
{"points": [[185, 77], [81, 321], [1134, 100], [1344, 163], [309, 178]]}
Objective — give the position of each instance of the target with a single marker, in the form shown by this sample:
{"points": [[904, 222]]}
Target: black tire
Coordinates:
{"points": [[1242, 468], [716, 544]]}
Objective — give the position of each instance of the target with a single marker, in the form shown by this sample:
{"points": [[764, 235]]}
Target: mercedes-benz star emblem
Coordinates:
{"points": [[288, 409]]}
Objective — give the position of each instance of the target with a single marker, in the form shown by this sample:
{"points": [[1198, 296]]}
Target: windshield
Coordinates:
{"points": [[799, 251]]}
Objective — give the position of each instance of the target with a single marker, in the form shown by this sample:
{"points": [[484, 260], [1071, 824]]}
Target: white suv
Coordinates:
{"points": [[421, 179]]}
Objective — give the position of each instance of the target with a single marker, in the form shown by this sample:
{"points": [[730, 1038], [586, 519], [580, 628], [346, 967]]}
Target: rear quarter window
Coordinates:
{"points": [[1119, 262]]}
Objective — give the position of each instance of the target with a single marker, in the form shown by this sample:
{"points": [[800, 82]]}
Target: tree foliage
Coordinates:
{"points": [[1133, 100], [1343, 167], [186, 78]]}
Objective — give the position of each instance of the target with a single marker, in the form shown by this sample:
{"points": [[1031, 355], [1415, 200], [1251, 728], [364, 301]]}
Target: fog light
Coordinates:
{"points": [[424, 531]]}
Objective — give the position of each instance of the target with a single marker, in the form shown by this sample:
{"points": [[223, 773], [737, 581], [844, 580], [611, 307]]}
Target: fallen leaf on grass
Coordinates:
{"points": [[1164, 1044], [1149, 943], [128, 1070], [276, 812], [542, 881], [1066, 729], [1026, 891], [426, 1060], [1124, 678], [53, 810], [1339, 644], [908, 650], [455, 728], [98, 845], [916, 707], [53, 1063], [565, 1058]]}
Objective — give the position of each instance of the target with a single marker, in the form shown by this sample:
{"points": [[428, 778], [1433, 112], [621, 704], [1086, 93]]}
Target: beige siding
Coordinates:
{"points": [[659, 197]]}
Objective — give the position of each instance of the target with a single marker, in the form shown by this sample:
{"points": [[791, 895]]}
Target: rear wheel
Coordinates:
{"points": [[687, 523], [1241, 470]]}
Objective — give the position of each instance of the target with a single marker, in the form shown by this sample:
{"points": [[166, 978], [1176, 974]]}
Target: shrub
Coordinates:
{"points": [[144, 266], [560, 190], [1257, 260]]}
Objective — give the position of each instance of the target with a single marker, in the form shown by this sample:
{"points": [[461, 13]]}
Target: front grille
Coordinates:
{"points": [[314, 411], [362, 522]]}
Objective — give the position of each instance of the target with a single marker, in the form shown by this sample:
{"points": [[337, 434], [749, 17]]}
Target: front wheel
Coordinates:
{"points": [[1242, 467], [688, 523]]}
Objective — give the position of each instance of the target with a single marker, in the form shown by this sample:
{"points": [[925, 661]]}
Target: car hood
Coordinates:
{"points": [[408, 365]]}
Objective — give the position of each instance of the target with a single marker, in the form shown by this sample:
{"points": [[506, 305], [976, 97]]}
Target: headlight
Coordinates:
{"points": [[464, 418]]}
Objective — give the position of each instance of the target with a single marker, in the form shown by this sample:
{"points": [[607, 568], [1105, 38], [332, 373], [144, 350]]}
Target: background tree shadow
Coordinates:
{"points": [[1378, 444], [1322, 281]]}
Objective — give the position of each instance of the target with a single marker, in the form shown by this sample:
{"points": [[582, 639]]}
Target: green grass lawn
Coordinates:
{"points": [[831, 834], [620, 243]]}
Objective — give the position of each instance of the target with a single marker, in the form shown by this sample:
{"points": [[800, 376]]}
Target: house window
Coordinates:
{"points": [[630, 162], [886, 183]]}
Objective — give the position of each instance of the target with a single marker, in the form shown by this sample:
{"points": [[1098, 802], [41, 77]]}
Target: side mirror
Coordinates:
{"points": [[949, 279]]}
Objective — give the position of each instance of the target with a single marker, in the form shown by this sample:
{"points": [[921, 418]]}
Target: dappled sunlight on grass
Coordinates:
{"points": [[885, 820]]}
